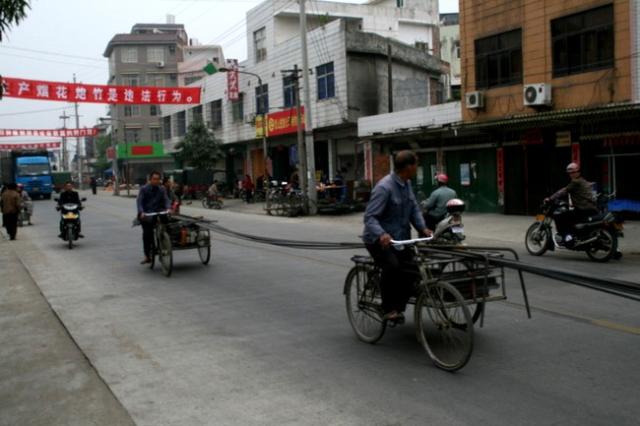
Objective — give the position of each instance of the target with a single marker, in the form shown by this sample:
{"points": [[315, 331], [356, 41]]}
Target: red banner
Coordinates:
{"points": [[62, 133], [500, 174], [233, 82], [283, 122], [142, 150], [575, 153], [70, 92], [30, 145]]}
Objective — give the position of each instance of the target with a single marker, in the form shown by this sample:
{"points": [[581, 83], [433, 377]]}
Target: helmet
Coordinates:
{"points": [[455, 205], [20, 186], [442, 178], [573, 167]]}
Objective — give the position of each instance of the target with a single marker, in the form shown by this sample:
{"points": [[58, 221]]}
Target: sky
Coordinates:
{"points": [[62, 37]]}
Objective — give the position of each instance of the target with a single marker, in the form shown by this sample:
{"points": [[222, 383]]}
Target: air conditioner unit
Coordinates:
{"points": [[250, 119], [475, 100], [160, 64], [537, 94]]}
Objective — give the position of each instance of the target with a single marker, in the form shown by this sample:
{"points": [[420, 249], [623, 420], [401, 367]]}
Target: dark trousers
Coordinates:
{"points": [[432, 221], [10, 221], [397, 284], [148, 227]]}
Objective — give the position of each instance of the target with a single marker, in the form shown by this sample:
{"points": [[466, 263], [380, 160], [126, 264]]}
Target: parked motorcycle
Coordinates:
{"points": [[450, 230], [70, 216], [597, 237]]}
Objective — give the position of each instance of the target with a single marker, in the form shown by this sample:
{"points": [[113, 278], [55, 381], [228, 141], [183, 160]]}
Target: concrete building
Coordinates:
{"points": [[348, 54], [450, 51], [151, 55], [546, 83]]}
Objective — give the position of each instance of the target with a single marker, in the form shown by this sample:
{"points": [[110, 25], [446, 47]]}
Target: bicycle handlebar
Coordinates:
{"points": [[157, 213], [411, 242]]}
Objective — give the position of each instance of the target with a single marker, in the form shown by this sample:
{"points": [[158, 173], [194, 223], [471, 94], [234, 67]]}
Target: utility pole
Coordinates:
{"points": [[389, 76], [309, 143], [78, 150], [302, 152], [65, 163]]}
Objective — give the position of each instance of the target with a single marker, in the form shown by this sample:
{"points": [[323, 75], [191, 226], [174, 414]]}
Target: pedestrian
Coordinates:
{"points": [[391, 212], [10, 202], [94, 185], [248, 186]]}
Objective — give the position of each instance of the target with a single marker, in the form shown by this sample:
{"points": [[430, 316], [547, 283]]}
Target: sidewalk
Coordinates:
{"points": [[44, 378]]}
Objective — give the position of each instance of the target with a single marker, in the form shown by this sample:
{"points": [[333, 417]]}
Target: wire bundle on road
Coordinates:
{"points": [[626, 289]]}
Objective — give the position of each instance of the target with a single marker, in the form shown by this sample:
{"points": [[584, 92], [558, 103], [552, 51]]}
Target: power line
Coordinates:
{"points": [[87, 58], [37, 111], [52, 61]]}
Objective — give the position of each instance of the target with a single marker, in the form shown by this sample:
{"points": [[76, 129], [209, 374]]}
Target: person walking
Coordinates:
{"points": [[94, 185], [11, 203]]}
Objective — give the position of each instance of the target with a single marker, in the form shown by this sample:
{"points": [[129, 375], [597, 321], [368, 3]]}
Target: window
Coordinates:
{"points": [[191, 79], [456, 46], [262, 99], [326, 81], [156, 80], [130, 80], [155, 134], [196, 113], [288, 85], [166, 126], [215, 111], [499, 60], [181, 123], [155, 54], [260, 44], [131, 135], [237, 108], [583, 42], [129, 55], [400, 3], [154, 110], [131, 110]]}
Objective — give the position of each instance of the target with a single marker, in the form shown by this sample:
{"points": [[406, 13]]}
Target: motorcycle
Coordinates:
{"points": [[450, 230], [25, 213], [212, 202], [597, 237], [70, 216]]}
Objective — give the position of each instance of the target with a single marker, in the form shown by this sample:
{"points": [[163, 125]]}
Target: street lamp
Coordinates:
{"points": [[264, 116]]}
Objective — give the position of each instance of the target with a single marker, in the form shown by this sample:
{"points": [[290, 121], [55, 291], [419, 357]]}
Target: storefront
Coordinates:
{"points": [[137, 161]]}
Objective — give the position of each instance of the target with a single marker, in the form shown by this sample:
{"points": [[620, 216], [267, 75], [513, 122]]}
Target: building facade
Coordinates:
{"points": [[349, 57], [150, 55], [450, 50]]}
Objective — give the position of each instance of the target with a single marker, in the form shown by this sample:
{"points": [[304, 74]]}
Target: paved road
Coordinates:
{"points": [[261, 337]]}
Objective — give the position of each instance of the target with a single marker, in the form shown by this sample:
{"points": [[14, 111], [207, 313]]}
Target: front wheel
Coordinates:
{"points": [[70, 237], [537, 239], [165, 253], [205, 203], [204, 246], [605, 246], [364, 304], [444, 326]]}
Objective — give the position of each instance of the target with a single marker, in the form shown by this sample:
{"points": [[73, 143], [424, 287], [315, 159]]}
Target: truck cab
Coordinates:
{"points": [[34, 172]]}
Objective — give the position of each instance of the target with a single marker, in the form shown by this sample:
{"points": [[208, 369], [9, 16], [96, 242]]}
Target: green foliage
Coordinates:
{"points": [[199, 148], [102, 144], [11, 13]]}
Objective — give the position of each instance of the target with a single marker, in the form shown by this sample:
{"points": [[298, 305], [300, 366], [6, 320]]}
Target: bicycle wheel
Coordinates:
{"points": [[364, 309], [204, 246], [165, 253], [462, 267], [444, 326], [205, 203]]}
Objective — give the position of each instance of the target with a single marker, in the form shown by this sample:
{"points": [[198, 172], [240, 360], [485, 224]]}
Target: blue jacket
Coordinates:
{"points": [[152, 199], [392, 209]]}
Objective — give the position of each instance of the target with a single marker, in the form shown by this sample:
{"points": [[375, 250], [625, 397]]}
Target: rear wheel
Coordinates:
{"points": [[204, 246], [364, 304], [605, 247], [444, 326], [165, 253], [537, 239]]}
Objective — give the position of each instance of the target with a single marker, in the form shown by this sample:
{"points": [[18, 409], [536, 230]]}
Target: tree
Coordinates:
{"points": [[199, 148], [11, 13], [102, 163]]}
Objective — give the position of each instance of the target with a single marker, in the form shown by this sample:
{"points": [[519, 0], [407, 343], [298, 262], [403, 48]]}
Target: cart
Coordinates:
{"points": [[452, 288], [175, 233]]}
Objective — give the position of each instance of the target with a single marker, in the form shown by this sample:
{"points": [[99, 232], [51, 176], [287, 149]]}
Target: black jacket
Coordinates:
{"points": [[69, 197]]}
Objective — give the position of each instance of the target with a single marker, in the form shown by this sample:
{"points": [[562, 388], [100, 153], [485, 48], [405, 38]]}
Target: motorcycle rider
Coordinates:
{"points": [[69, 196], [27, 203], [435, 206], [581, 194]]}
